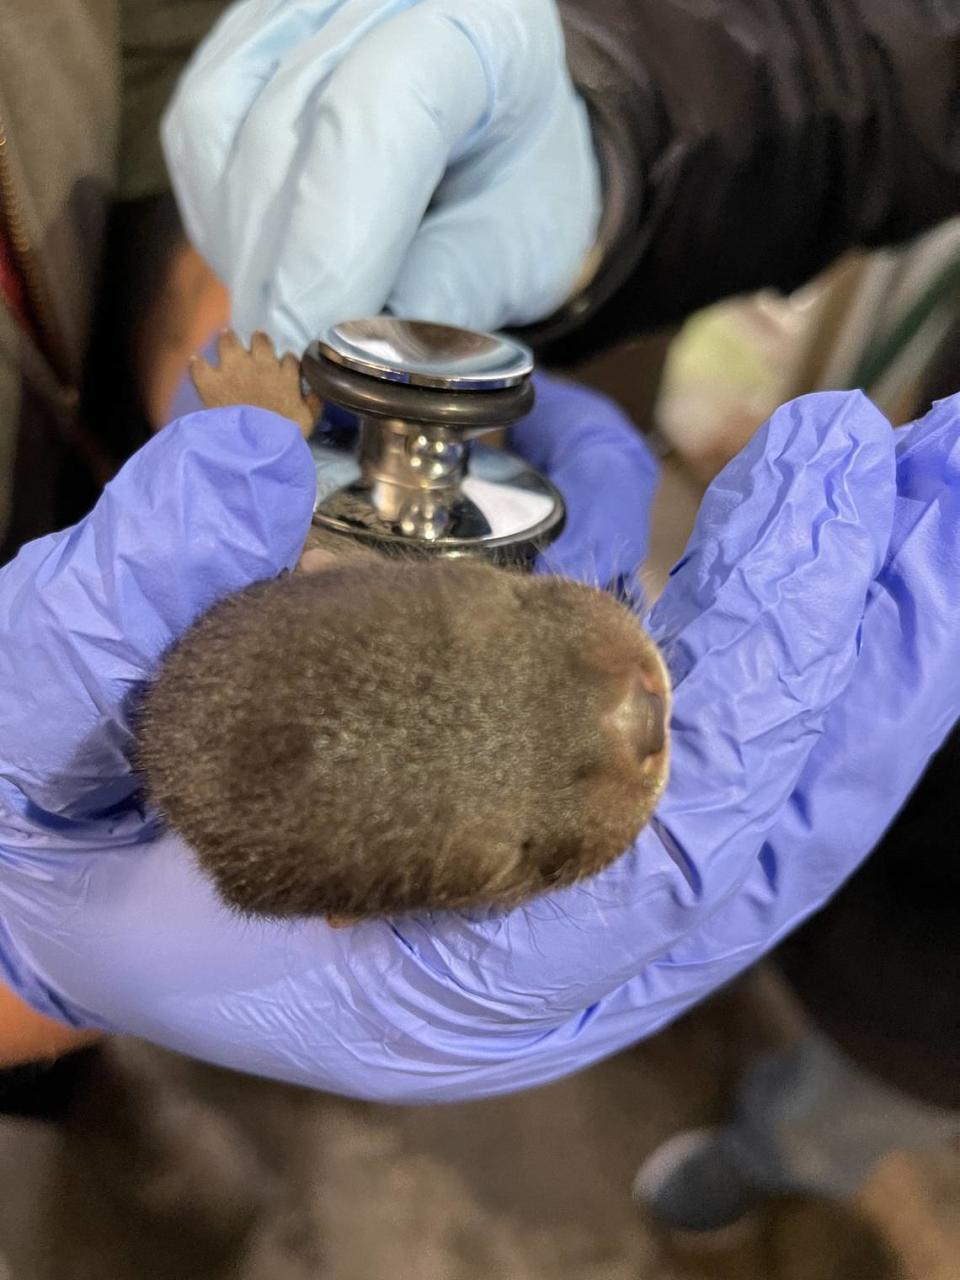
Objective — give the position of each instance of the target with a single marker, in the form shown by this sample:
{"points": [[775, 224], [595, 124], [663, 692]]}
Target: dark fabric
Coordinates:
{"points": [[46, 1091], [62, 458], [748, 142], [13, 289], [143, 237], [54, 480]]}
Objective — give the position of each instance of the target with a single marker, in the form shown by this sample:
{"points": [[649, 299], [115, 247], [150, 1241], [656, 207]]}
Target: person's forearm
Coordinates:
{"points": [[747, 144], [26, 1036]]}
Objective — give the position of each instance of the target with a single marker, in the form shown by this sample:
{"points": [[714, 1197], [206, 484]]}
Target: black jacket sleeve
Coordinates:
{"points": [[746, 143]]}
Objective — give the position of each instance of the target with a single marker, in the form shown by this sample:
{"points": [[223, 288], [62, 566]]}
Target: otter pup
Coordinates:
{"points": [[373, 736]]}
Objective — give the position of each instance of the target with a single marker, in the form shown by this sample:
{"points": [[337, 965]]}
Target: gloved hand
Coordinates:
{"points": [[333, 157], [790, 659], [906, 690]]}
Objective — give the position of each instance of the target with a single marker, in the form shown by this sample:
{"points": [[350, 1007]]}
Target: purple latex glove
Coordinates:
{"points": [[606, 472], [106, 924]]}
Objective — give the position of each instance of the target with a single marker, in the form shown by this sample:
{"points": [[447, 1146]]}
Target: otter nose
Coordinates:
{"points": [[640, 719]]}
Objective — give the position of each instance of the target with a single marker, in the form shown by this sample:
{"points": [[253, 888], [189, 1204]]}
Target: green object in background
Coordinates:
{"points": [[880, 356]]}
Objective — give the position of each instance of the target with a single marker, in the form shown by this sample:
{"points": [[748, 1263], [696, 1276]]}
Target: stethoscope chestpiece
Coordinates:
{"points": [[415, 479]]}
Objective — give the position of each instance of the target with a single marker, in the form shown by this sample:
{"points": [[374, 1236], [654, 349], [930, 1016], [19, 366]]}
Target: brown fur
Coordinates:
{"points": [[384, 736], [256, 377]]}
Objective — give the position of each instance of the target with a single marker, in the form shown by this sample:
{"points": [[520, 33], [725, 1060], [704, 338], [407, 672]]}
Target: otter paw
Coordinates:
{"points": [[257, 377]]}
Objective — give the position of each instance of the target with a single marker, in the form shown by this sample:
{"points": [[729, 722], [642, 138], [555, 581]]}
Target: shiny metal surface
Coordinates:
{"points": [[468, 413], [419, 354], [501, 509], [413, 474], [412, 478]]}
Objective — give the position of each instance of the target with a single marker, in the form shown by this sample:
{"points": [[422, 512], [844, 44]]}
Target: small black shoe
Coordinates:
{"points": [[693, 1182]]}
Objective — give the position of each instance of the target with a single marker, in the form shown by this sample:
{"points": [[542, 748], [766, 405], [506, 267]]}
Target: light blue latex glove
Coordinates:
{"points": [[776, 634], [335, 157]]}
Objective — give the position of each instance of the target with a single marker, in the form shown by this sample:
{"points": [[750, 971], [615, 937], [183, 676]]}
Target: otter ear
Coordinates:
{"points": [[487, 863]]}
